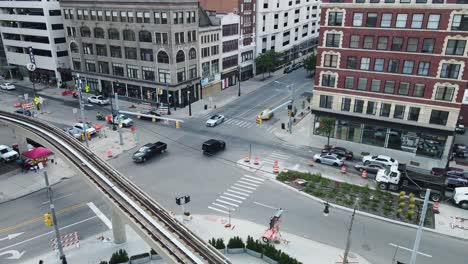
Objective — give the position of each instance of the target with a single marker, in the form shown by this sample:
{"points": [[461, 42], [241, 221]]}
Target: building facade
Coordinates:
{"points": [[230, 44], [288, 27], [141, 50], [210, 52], [36, 24], [393, 73]]}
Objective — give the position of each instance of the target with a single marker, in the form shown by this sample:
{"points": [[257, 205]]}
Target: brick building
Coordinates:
{"points": [[393, 73]]}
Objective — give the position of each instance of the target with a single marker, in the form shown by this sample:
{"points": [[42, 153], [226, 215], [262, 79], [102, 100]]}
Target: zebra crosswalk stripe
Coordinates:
{"points": [[255, 178], [218, 210], [224, 202]]}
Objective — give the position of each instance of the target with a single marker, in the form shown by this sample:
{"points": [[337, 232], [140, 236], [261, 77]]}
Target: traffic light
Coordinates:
{"points": [[259, 120], [289, 113], [177, 200], [48, 219], [177, 124], [290, 107], [187, 199]]}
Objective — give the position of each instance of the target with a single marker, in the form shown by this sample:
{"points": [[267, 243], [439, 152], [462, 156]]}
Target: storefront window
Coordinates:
{"points": [[93, 85], [431, 145], [348, 131], [149, 94], [403, 140], [134, 91], [374, 135], [120, 88]]}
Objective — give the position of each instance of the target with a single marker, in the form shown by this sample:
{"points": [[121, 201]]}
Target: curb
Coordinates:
{"points": [[366, 214]]}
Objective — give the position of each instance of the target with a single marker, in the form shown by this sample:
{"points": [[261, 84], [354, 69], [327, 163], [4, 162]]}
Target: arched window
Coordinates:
{"points": [[192, 54], [85, 32], [128, 35], [163, 57], [145, 36], [114, 34], [98, 32], [74, 48], [180, 57]]}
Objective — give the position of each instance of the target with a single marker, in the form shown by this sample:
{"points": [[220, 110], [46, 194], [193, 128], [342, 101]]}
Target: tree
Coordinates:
{"points": [[310, 63], [327, 125], [267, 62]]}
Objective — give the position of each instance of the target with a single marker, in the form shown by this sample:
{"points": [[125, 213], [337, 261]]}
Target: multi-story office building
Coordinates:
{"points": [[210, 52], [230, 40], [393, 73], [37, 24], [135, 49], [288, 27]]}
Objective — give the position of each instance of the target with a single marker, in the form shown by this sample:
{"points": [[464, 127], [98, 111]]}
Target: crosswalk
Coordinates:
{"points": [[231, 199], [276, 156], [244, 123]]}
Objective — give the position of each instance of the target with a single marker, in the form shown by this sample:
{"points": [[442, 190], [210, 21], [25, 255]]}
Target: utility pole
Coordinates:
{"points": [[189, 104], [54, 218], [417, 241], [239, 79], [119, 129], [85, 127], [348, 239]]}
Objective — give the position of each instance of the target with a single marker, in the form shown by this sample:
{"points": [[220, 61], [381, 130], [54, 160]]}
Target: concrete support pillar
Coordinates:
{"points": [[21, 141], [118, 228]]}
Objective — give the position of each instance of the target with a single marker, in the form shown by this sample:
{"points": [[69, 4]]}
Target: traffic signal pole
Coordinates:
{"points": [[119, 129], [54, 219], [80, 99]]}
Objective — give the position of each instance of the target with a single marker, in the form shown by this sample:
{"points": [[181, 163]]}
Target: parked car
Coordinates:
{"points": [[22, 111], [298, 65], [75, 132], [149, 150], [460, 150], [7, 86], [215, 120], [341, 152], [8, 154], [385, 160], [449, 171], [126, 121], [330, 159], [152, 112], [288, 69], [89, 128], [460, 129], [98, 99], [266, 114], [370, 168], [212, 146]]}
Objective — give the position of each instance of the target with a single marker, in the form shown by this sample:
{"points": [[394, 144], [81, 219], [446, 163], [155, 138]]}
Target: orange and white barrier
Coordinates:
{"points": [[343, 169], [364, 174]]}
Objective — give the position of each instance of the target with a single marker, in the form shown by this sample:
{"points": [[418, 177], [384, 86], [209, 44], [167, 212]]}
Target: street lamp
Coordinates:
{"points": [[168, 105], [189, 104], [239, 79]]}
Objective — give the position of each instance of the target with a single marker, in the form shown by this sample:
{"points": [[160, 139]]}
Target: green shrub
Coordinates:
{"points": [[220, 244], [318, 193], [411, 206], [324, 182], [411, 200], [345, 187], [332, 193], [410, 215], [103, 262], [365, 189], [402, 204], [399, 212], [282, 177], [349, 201], [254, 245], [212, 242], [119, 257], [402, 193], [236, 242], [270, 251]]}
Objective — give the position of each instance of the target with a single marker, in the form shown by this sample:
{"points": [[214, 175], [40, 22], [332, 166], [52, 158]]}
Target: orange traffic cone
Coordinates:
{"points": [[364, 174], [435, 208], [275, 167], [256, 161], [343, 169], [247, 158], [310, 163], [109, 153]]}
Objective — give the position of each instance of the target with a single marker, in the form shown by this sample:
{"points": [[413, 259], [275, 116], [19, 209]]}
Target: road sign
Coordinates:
{"points": [[31, 67], [75, 110]]}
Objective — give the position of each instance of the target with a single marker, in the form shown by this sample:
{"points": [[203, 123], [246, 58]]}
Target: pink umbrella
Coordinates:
{"points": [[36, 153]]}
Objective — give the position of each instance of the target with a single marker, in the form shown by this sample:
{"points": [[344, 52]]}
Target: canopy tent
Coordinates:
{"points": [[36, 153]]}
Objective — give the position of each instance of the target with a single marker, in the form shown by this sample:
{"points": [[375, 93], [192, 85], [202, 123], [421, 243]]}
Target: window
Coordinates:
{"points": [[330, 60], [460, 22], [123, 16], [375, 85], [357, 19], [349, 83], [130, 17], [418, 90], [193, 72], [108, 15], [128, 35], [382, 43], [379, 65], [351, 62], [326, 101], [205, 52], [180, 56], [60, 40], [145, 36], [358, 106], [90, 65], [146, 55], [157, 18], [164, 76], [130, 53], [365, 63], [450, 71], [335, 18], [397, 43], [346, 104], [401, 20], [438, 117], [286, 38], [371, 107], [455, 47], [163, 18], [403, 88], [385, 110], [115, 16], [389, 87], [132, 71], [85, 32], [285, 24], [116, 51], [444, 93], [101, 50], [417, 20], [413, 114], [362, 84], [408, 67], [181, 75], [148, 73], [399, 112], [371, 20], [412, 45], [74, 47], [192, 54], [230, 45], [231, 29], [98, 33], [368, 42], [103, 67], [393, 66], [386, 21], [423, 68], [428, 45], [230, 61], [62, 53], [333, 40], [328, 80], [354, 41], [146, 17], [433, 21], [246, 56], [114, 34], [88, 48]]}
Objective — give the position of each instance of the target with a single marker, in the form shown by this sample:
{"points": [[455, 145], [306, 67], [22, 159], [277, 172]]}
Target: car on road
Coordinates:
{"points": [[370, 168], [126, 121], [212, 146], [98, 99], [266, 114], [22, 111], [330, 159], [298, 65], [75, 132], [215, 120], [460, 150], [8, 154], [341, 152], [153, 113], [149, 150], [460, 129], [7, 86], [89, 128], [385, 160]]}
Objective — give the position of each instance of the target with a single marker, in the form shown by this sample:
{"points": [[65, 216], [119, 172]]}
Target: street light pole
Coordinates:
{"points": [[417, 241], [348, 239], [239, 79], [189, 104], [119, 129], [80, 99]]}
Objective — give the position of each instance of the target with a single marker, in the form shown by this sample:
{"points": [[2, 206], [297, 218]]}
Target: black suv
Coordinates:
{"points": [[212, 146]]}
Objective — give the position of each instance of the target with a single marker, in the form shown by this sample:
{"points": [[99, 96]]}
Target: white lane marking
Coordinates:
{"points": [[243, 124], [239, 189], [99, 214], [233, 195], [249, 180], [248, 183], [264, 205], [280, 156], [237, 122], [230, 199], [229, 121], [58, 198], [269, 161], [408, 249], [229, 190], [15, 254], [255, 178], [219, 210], [223, 206], [48, 233], [243, 186], [221, 201], [11, 236], [249, 125]]}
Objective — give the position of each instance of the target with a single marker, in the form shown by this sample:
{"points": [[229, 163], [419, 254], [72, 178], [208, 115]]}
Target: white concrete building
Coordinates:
{"points": [[210, 52], [37, 24], [289, 27], [230, 39]]}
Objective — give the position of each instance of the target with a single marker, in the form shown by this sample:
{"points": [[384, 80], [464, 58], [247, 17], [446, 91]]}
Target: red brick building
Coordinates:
{"points": [[393, 73]]}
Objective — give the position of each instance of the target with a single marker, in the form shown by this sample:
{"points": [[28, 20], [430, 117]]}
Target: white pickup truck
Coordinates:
{"points": [[7, 153], [460, 197]]}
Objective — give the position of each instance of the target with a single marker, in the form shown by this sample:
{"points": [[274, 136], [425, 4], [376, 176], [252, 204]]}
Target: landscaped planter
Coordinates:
{"points": [[222, 251], [140, 258], [269, 260], [235, 250], [253, 253], [155, 257]]}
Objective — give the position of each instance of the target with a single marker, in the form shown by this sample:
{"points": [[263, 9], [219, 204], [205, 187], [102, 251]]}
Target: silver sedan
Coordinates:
{"points": [[330, 159]]}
